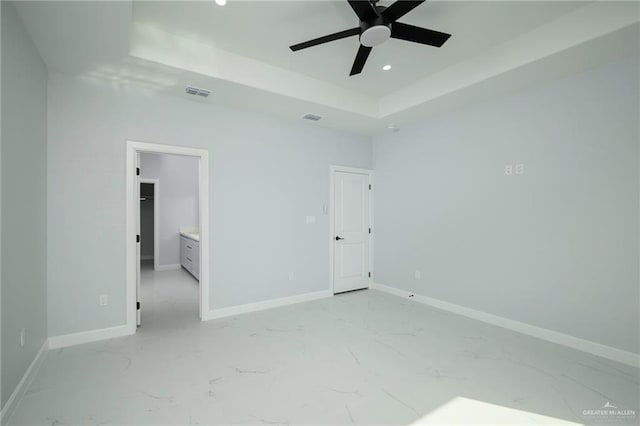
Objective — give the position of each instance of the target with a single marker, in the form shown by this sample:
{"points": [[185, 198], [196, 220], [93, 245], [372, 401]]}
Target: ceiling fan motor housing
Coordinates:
{"points": [[376, 31], [376, 24]]}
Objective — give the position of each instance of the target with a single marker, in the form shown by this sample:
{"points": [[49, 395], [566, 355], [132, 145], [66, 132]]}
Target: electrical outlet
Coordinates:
{"points": [[104, 300], [22, 338], [291, 277], [508, 169], [519, 169], [418, 275]]}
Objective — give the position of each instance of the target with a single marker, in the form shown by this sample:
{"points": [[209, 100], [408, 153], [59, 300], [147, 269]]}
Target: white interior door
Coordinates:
{"points": [[137, 198], [351, 228]]}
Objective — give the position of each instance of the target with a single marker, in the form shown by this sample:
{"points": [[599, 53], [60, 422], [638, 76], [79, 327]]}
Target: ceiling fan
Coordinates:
{"points": [[377, 25]]}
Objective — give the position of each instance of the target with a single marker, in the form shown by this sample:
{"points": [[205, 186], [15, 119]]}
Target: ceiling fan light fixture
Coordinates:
{"points": [[375, 35], [378, 24]]}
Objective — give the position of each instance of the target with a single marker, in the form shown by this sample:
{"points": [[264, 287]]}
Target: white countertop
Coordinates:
{"points": [[195, 236]]}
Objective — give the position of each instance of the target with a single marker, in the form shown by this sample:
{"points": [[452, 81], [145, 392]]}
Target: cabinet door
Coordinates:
{"points": [[188, 250], [195, 264], [183, 251]]}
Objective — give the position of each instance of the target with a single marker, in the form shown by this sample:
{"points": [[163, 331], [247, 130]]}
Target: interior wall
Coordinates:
{"points": [[556, 247], [179, 202], [24, 195], [266, 175]]}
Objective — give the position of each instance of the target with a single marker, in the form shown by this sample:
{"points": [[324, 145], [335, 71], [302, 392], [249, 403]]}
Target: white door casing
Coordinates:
{"points": [[137, 198], [351, 225], [133, 148]]}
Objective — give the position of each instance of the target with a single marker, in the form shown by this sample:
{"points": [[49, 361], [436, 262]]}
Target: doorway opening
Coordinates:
{"points": [[150, 221], [350, 227], [167, 235]]}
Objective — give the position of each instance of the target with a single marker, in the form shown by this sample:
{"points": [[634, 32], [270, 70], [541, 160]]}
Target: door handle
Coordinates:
{"points": [[339, 238]]}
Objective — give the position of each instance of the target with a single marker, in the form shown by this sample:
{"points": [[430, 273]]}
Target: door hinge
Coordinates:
{"points": [[369, 274], [138, 305], [369, 230], [137, 171], [369, 187], [138, 238]]}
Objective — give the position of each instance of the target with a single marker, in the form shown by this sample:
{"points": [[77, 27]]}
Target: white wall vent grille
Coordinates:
{"points": [[190, 90]]}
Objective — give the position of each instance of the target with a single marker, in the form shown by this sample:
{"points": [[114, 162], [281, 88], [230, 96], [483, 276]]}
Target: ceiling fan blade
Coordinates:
{"points": [[418, 35], [361, 59], [400, 8], [326, 39], [364, 9]]}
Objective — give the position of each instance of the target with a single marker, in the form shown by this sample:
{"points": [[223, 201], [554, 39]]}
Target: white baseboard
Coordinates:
{"points": [[65, 340], [267, 304], [171, 267], [22, 386], [583, 345]]}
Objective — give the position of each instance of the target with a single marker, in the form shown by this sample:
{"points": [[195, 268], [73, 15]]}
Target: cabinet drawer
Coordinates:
{"points": [[187, 265], [195, 263], [183, 250], [190, 255]]}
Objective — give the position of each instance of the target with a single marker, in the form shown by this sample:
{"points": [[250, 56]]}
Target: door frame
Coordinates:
{"points": [[156, 220], [133, 148], [332, 171]]}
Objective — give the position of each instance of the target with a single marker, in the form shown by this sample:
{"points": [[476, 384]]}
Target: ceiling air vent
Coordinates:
{"points": [[312, 117], [190, 90]]}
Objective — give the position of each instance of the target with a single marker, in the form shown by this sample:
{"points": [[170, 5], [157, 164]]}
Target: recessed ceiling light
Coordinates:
{"points": [[386, 67], [221, 2]]}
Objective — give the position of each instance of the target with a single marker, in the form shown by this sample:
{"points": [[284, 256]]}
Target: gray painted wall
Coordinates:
{"points": [[266, 176], [556, 247], [24, 195], [179, 193]]}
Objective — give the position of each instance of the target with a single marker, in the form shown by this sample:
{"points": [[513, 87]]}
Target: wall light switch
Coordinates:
{"points": [[418, 275], [508, 169], [311, 220], [519, 169], [325, 209], [104, 300], [291, 276]]}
